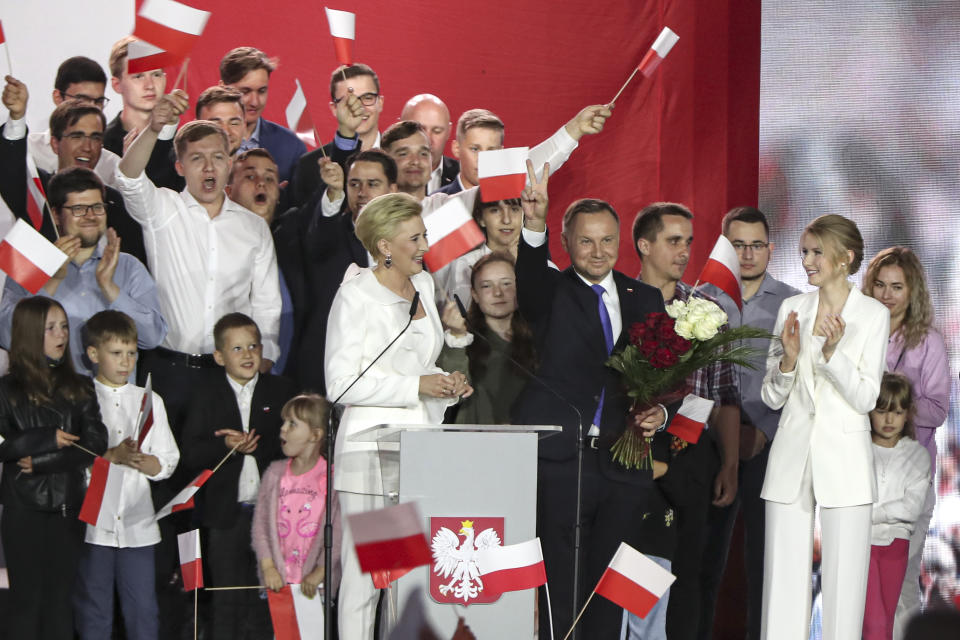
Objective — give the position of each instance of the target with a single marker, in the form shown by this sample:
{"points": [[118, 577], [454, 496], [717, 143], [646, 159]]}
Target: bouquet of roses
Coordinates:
{"points": [[664, 350]]}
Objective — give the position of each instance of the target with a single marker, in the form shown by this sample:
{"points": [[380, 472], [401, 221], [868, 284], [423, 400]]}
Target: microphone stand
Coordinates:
{"points": [[577, 537], [327, 516]]}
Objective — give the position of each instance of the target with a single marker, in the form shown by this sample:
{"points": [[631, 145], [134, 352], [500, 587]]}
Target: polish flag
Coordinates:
{"points": [[169, 29], [101, 505], [299, 120], [36, 198], [184, 500], [692, 417], [512, 567], [294, 615], [722, 270], [145, 417], [343, 28], [390, 538], [191, 565], [28, 257], [452, 232], [661, 47], [5, 66], [502, 173], [634, 581]]}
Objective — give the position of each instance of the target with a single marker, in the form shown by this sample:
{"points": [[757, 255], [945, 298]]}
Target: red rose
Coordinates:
{"points": [[662, 357], [647, 347], [679, 345], [666, 330], [652, 320], [637, 332]]}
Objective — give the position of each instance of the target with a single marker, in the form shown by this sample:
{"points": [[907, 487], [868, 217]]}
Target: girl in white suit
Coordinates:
{"points": [[825, 373], [404, 386]]}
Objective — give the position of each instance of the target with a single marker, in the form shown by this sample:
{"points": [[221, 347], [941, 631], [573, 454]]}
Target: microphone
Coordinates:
{"points": [[327, 516]]}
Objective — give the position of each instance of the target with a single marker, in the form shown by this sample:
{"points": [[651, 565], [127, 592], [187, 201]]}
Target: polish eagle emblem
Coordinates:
{"points": [[455, 555]]}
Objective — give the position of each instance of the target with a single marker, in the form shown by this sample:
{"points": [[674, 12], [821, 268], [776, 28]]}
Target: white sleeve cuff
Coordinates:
{"points": [[167, 132], [329, 208], [15, 129], [534, 238], [457, 342]]}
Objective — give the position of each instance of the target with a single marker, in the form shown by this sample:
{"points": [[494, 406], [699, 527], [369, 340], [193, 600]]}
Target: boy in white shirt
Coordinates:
{"points": [[124, 555]]}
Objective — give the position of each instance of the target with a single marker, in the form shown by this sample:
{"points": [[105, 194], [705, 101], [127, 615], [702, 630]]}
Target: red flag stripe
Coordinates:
{"points": [[502, 187], [90, 509], [192, 573], [649, 63], [162, 36], [717, 274], [516, 579], [35, 202], [343, 48], [19, 267], [155, 61], [453, 245], [626, 593], [685, 428], [397, 553], [283, 614]]}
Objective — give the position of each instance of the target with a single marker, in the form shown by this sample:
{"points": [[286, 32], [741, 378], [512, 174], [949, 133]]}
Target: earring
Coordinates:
{"points": [[388, 261]]}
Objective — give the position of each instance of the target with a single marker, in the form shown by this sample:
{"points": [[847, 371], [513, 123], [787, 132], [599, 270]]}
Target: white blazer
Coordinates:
{"points": [[825, 404], [364, 318]]}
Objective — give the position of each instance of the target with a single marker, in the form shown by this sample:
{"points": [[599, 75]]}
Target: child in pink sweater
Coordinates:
{"points": [[288, 520]]}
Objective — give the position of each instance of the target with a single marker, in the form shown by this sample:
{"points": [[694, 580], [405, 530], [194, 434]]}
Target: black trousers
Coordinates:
{"points": [[719, 531], [240, 614], [611, 514], [42, 550]]}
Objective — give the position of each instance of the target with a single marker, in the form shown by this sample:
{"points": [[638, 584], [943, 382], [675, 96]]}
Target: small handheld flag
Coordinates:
{"points": [[390, 538], [452, 232], [691, 418], [29, 258], [167, 32], [294, 615], [101, 504], [512, 567], [658, 51], [343, 29], [191, 565], [722, 270], [299, 120]]}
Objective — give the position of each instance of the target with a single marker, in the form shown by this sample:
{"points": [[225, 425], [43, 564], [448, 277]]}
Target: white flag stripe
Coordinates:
{"points": [[30, 243], [640, 569], [502, 162], [309, 612], [392, 523], [696, 408], [446, 219], [343, 24], [189, 546], [298, 104], [665, 42], [724, 253], [142, 49], [110, 504], [511, 556], [175, 15]]}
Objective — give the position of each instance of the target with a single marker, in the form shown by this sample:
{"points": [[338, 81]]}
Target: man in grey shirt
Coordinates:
{"points": [[747, 230]]}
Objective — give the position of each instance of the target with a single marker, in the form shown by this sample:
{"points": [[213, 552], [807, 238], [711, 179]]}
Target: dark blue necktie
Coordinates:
{"points": [[607, 338]]}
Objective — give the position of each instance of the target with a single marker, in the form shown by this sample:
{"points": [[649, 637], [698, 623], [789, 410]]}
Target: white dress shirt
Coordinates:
{"points": [[435, 177], [119, 408], [205, 267], [249, 474]]}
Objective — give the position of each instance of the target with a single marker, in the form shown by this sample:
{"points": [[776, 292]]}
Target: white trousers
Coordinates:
{"points": [[788, 560], [358, 597], [909, 604]]}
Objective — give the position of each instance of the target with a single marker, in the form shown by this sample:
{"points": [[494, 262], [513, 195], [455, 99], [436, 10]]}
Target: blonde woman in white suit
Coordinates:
{"points": [[404, 386], [825, 373]]}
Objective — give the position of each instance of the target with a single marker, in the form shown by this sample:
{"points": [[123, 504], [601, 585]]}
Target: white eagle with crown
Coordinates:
{"points": [[457, 561]]}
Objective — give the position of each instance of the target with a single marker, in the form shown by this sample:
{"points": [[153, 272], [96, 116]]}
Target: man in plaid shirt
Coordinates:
{"points": [[707, 471]]}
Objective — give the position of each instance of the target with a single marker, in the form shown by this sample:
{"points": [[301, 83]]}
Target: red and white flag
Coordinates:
{"points": [[101, 504], [191, 565], [184, 500], [36, 198], [28, 257], [722, 270], [145, 417], [692, 417], [452, 232], [512, 567], [634, 581], [299, 120], [167, 32], [5, 66], [294, 615], [658, 51], [502, 173], [343, 28], [390, 538]]}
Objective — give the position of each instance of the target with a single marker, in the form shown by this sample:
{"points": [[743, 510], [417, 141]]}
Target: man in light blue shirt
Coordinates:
{"points": [[98, 275]]}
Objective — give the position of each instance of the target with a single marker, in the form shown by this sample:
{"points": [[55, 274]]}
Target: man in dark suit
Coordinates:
{"points": [[477, 130], [579, 317], [330, 245], [356, 103], [248, 70], [432, 113], [76, 135], [235, 409]]}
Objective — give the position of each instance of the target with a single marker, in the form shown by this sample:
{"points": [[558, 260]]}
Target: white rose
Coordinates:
{"points": [[675, 309], [684, 328], [706, 328]]}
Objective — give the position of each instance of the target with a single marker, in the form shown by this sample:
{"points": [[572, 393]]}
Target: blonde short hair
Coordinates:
{"points": [[381, 217], [837, 235]]}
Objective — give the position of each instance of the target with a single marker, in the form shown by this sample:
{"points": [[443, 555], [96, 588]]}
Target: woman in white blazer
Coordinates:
{"points": [[404, 386], [825, 373]]}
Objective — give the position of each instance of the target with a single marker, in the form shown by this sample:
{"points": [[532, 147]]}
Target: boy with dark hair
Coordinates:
{"points": [[234, 410], [122, 553], [223, 106]]}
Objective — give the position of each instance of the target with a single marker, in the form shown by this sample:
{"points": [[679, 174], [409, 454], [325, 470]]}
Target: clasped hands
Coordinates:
{"points": [[244, 443], [444, 385], [831, 326]]}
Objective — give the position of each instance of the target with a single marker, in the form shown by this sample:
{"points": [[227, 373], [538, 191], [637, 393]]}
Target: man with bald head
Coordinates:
{"points": [[432, 113]]}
